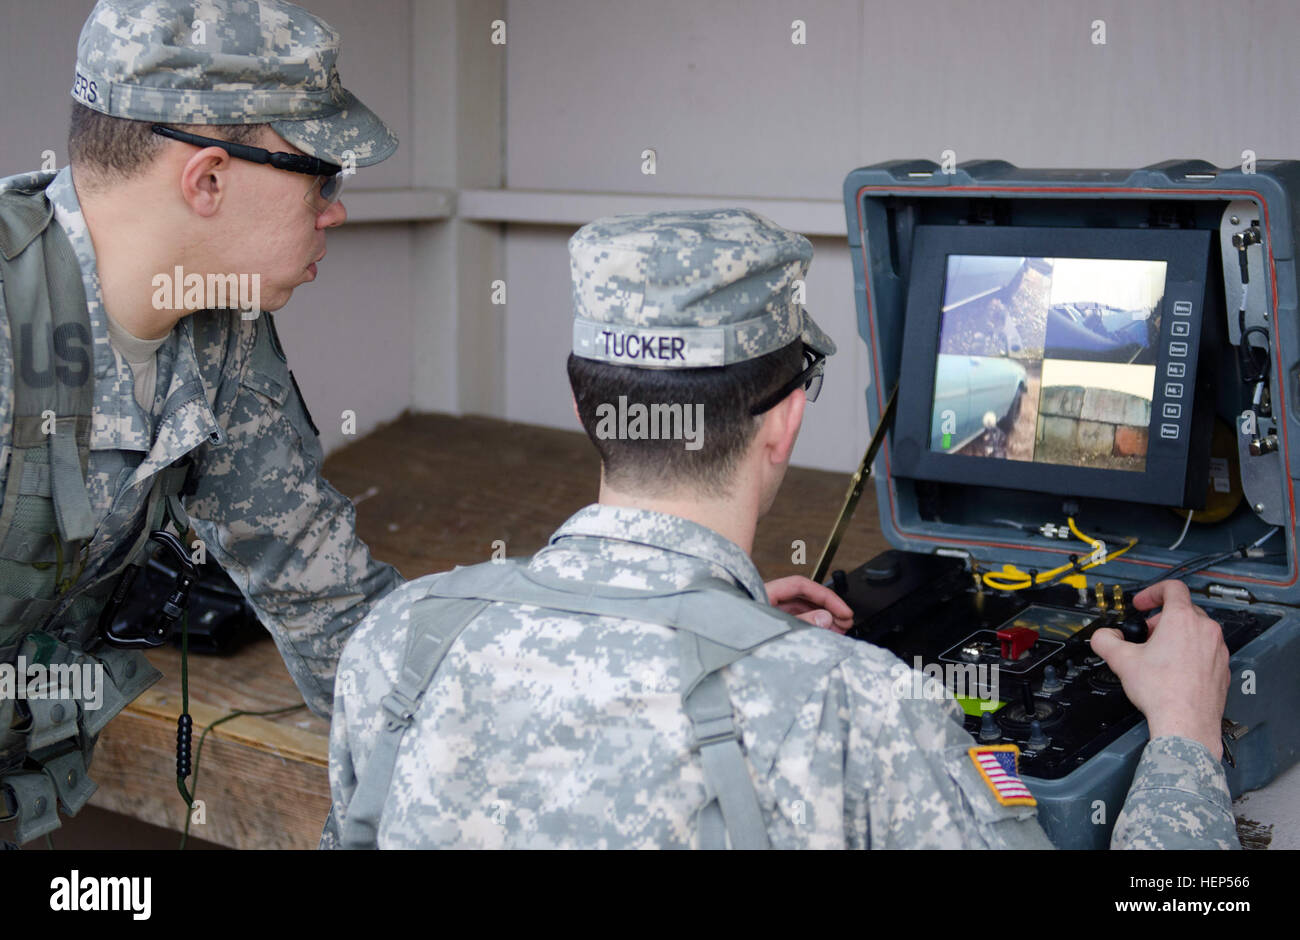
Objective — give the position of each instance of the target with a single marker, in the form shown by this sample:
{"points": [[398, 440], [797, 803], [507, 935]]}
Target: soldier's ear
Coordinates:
{"points": [[574, 402], [786, 419], [203, 180]]}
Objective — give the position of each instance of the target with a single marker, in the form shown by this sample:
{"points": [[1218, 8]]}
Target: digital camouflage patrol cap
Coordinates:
{"points": [[227, 62], [689, 289]]}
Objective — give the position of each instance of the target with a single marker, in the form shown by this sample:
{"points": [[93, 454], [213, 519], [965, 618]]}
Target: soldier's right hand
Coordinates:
{"points": [[1179, 677]]}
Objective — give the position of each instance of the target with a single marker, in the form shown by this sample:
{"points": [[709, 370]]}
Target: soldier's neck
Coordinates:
{"points": [[129, 255], [734, 517]]}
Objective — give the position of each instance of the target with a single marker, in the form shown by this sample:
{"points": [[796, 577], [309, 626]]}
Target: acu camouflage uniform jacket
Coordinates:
{"points": [[225, 396], [543, 729]]}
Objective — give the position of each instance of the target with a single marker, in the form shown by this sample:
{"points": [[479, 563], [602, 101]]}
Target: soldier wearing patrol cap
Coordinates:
{"points": [[635, 684], [208, 139]]}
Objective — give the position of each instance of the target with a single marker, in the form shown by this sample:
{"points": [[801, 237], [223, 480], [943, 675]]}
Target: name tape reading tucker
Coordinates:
{"points": [[662, 346]]}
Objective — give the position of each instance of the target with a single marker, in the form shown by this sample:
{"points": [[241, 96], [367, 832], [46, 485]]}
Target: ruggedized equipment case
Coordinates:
{"points": [[1249, 217]]}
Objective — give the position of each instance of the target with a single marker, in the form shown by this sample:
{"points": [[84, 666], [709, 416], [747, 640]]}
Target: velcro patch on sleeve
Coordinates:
{"points": [[999, 766]]}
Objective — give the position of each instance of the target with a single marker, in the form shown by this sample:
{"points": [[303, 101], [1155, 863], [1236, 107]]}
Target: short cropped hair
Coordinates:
{"points": [[727, 393], [112, 149]]}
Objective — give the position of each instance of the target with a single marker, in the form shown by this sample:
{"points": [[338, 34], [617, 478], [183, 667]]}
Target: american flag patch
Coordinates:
{"points": [[998, 764]]}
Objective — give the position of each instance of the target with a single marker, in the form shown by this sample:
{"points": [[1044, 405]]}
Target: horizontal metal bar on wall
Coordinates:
{"points": [[816, 217], [399, 205], [541, 207]]}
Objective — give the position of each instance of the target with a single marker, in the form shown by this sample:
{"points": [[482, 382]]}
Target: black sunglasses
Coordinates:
{"points": [[329, 174], [810, 379]]}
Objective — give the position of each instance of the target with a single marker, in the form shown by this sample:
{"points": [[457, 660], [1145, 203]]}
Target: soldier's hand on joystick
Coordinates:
{"points": [[1134, 625], [1179, 677]]}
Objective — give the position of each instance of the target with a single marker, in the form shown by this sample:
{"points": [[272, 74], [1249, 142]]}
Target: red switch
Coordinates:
{"points": [[1016, 641]]}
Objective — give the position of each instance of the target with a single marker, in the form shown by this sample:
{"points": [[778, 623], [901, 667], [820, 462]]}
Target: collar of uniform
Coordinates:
{"points": [[186, 420], [667, 533]]}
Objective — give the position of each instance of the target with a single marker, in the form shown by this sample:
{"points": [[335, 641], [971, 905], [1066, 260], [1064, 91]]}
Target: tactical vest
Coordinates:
{"points": [[716, 623], [49, 609]]}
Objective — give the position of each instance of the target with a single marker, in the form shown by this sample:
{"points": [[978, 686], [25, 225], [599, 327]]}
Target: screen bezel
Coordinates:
{"points": [[1185, 252]]}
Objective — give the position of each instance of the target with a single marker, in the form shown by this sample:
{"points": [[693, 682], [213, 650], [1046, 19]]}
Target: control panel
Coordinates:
{"points": [[1019, 664]]}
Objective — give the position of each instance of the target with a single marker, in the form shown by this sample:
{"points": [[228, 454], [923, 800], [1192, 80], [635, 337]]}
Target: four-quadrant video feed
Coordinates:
{"points": [[1051, 360]]}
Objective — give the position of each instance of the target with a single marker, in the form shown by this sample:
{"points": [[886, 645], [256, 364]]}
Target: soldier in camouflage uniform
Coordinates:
{"points": [[548, 703], [168, 383]]}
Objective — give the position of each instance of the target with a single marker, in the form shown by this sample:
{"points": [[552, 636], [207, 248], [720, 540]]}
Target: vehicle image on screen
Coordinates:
{"points": [[1099, 333], [973, 277], [972, 395]]}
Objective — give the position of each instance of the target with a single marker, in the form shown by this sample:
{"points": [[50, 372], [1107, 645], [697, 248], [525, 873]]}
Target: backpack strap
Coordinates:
{"points": [[731, 808], [711, 636], [433, 629], [46, 304]]}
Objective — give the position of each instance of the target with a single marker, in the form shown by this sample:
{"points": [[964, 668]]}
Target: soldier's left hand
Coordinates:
{"points": [[810, 601]]}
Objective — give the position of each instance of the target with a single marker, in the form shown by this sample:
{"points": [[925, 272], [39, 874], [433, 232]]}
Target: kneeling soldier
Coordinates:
{"points": [[632, 686]]}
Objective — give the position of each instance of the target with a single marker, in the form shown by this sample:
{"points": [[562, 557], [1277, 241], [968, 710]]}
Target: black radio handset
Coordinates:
{"points": [[163, 622]]}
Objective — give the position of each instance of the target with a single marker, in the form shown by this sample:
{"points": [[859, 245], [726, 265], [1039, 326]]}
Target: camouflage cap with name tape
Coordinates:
{"points": [[227, 62], [689, 289]]}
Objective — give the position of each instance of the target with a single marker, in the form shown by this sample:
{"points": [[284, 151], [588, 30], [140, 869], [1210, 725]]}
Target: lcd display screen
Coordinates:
{"points": [[1048, 359]]}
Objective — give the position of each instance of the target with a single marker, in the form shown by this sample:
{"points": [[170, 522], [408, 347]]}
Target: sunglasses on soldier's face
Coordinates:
{"points": [[325, 189], [810, 379]]}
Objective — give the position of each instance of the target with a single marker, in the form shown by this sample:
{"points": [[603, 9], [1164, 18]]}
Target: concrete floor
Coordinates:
{"points": [[1270, 817]]}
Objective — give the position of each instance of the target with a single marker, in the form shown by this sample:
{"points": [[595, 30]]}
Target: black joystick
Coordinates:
{"points": [[840, 582], [1134, 625]]}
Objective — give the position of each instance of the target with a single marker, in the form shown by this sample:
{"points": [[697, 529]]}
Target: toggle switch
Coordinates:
{"points": [[1051, 681], [1016, 641], [989, 730]]}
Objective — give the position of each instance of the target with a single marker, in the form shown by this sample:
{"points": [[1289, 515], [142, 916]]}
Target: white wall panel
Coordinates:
{"points": [[733, 108], [716, 89]]}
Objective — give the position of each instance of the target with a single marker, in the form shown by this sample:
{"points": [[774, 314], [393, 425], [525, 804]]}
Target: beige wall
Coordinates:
{"points": [[400, 315], [735, 110]]}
